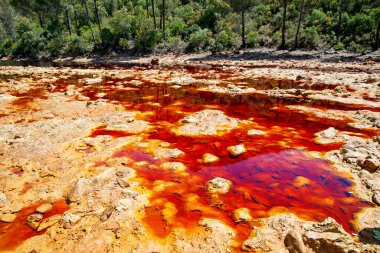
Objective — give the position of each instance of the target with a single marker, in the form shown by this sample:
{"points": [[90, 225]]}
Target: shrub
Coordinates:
{"points": [[107, 38], [77, 45], [252, 39], [226, 40], [200, 40], [173, 45]]}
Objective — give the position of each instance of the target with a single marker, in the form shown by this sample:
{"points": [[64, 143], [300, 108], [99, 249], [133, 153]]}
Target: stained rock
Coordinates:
{"points": [[301, 181], [167, 153], [9, 217], [45, 208], [173, 166], [293, 242], [34, 220], [242, 215], [236, 150], [255, 132], [209, 158], [48, 222], [219, 185]]}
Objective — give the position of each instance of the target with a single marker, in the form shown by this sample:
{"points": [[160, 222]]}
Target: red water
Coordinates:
{"points": [[12, 234], [264, 178]]}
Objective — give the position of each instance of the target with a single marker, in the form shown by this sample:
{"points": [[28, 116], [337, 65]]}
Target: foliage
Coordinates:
{"points": [[39, 28]]}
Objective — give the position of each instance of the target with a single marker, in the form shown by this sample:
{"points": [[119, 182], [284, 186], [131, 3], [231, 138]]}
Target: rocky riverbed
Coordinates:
{"points": [[180, 155]]}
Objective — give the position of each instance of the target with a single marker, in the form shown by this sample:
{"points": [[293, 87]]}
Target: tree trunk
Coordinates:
{"points": [[68, 20], [154, 15], [339, 30], [299, 24], [163, 17], [243, 44], [75, 15], [147, 8], [377, 42], [97, 15], [40, 20], [89, 20], [283, 25]]}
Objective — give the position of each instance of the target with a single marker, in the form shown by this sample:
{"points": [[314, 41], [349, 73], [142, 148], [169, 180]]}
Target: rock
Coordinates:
{"points": [[34, 220], [183, 81], [173, 166], [81, 187], [255, 245], [236, 150], [219, 185], [206, 122], [301, 181], [155, 61], [329, 236], [70, 218], [122, 183], [131, 126], [370, 163], [9, 217], [124, 204], [48, 222], [3, 198], [93, 80], [168, 153], [106, 214], [376, 198], [209, 158], [242, 215], [104, 177], [330, 135], [293, 242], [255, 132], [45, 208]]}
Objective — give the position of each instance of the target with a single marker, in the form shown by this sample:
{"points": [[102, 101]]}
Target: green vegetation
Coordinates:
{"points": [[50, 28]]}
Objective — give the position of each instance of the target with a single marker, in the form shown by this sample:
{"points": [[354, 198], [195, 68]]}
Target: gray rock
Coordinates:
{"points": [[293, 242]]}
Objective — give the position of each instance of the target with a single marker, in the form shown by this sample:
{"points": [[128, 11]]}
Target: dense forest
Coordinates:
{"points": [[50, 28]]}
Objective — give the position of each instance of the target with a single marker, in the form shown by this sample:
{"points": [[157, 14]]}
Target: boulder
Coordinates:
{"points": [[293, 242], [329, 236], [236, 150], [34, 220], [80, 188], [242, 215], [206, 122], [104, 177], [219, 185]]}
